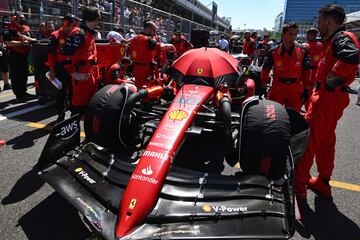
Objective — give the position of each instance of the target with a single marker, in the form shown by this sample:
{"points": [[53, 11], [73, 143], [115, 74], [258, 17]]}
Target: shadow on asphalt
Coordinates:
{"points": [[326, 222], [28, 138], [54, 218], [28, 184]]}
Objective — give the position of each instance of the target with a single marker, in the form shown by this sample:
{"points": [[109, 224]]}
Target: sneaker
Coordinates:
{"points": [[358, 102], [28, 95], [7, 86], [20, 99], [300, 191], [320, 186]]}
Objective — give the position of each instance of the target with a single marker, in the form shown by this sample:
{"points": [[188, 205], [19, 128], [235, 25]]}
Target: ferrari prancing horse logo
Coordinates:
{"points": [[200, 71], [132, 203], [298, 54], [122, 51]]}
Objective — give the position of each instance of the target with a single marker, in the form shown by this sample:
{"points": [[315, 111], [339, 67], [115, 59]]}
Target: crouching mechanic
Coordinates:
{"points": [[291, 73], [118, 73], [59, 58], [83, 69], [142, 50], [339, 58]]}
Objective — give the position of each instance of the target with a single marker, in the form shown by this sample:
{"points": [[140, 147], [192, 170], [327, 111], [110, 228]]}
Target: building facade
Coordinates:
{"points": [[304, 12], [279, 22]]}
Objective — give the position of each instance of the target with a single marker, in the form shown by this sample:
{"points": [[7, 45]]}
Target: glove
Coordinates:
{"points": [[168, 94], [80, 76], [334, 81], [304, 95]]}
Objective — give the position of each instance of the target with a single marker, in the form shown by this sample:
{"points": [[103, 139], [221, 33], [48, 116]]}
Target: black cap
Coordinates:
{"points": [[71, 18]]}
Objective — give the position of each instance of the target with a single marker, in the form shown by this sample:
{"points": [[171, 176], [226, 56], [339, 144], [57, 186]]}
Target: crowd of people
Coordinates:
{"points": [[316, 75], [110, 11]]}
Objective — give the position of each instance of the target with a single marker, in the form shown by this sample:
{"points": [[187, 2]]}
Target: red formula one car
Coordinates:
{"points": [[156, 166]]}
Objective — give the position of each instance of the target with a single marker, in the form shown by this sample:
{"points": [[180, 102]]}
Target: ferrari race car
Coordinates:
{"points": [[157, 166]]}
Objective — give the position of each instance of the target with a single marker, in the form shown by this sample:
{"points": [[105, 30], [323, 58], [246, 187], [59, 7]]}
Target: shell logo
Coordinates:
{"points": [[206, 208], [61, 41], [278, 63], [200, 71], [122, 51], [78, 170], [178, 115], [316, 58]]}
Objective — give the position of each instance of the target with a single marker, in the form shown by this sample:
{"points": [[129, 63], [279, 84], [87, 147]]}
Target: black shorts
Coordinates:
{"points": [[4, 64]]}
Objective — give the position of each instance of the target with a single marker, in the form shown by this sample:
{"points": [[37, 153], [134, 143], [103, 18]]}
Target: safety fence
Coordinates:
{"points": [[130, 15]]}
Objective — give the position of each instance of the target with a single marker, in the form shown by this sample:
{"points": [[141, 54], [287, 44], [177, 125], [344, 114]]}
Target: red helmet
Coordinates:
{"points": [[113, 72]]}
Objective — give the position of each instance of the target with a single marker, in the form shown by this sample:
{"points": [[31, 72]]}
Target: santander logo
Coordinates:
{"points": [[147, 171]]}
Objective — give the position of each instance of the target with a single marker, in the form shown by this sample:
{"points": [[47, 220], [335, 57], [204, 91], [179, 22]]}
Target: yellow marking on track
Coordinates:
{"points": [[40, 125], [47, 127], [6, 95], [346, 186], [336, 184]]}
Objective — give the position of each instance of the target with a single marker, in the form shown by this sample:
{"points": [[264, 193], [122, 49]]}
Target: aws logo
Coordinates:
{"points": [[68, 131]]}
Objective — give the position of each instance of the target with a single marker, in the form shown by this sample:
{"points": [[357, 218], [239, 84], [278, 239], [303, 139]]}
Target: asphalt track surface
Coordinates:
{"points": [[30, 209]]}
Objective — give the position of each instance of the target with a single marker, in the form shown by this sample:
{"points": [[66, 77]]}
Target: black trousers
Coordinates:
{"points": [[19, 73], [65, 91]]}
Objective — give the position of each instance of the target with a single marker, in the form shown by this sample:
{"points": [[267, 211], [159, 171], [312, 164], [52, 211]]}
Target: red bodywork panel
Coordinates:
{"points": [[146, 182], [108, 54]]}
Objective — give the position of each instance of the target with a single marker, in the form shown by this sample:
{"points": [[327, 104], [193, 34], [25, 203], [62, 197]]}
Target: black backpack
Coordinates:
{"points": [[265, 134]]}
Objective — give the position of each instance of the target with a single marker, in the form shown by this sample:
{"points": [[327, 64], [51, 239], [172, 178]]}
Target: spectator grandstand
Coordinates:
{"points": [[134, 13]]}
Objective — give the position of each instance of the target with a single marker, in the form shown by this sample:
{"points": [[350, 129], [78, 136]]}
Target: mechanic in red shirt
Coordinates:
{"points": [[338, 64], [142, 50], [118, 73], [249, 45], [263, 48], [59, 57], [180, 43], [17, 38], [291, 69], [84, 66], [314, 48]]}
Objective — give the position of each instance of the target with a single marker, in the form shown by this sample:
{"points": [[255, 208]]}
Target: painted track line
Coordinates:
{"points": [[336, 184], [29, 90], [24, 111], [346, 186]]}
